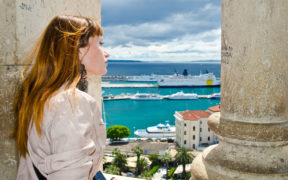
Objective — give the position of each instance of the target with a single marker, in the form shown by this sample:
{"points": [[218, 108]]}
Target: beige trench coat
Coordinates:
{"points": [[72, 142]]}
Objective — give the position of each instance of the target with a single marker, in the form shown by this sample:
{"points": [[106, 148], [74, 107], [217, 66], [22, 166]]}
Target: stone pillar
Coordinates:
{"points": [[253, 126], [21, 24]]}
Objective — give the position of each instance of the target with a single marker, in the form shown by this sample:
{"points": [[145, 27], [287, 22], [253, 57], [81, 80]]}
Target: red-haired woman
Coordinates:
{"points": [[59, 131]]}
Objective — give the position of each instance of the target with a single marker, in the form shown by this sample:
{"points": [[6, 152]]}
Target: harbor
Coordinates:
{"points": [[130, 96]]}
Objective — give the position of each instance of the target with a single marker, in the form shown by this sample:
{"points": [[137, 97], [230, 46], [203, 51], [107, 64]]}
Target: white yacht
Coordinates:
{"points": [[146, 96], [181, 95], [159, 131], [215, 96], [203, 80]]}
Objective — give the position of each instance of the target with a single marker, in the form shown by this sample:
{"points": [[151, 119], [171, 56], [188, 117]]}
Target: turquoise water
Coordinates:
{"points": [[141, 114], [162, 91]]}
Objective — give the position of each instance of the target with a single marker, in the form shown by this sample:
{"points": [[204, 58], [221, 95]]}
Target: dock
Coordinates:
{"points": [[107, 85]]}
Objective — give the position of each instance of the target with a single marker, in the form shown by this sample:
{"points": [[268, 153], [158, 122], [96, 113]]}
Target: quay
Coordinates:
{"points": [[124, 97], [107, 85]]}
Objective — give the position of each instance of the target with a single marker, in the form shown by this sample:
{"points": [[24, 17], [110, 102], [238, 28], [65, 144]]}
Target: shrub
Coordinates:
{"points": [[154, 170], [171, 172]]}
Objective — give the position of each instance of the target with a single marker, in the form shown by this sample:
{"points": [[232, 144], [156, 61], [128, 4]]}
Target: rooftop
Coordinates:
{"points": [[215, 108], [194, 115]]}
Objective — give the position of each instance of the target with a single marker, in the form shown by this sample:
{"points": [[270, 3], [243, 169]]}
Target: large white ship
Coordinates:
{"points": [[159, 131], [203, 80]]}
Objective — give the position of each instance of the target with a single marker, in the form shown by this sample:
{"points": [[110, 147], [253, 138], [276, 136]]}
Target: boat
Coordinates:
{"points": [[146, 96], [158, 131], [181, 95], [202, 80], [215, 96]]}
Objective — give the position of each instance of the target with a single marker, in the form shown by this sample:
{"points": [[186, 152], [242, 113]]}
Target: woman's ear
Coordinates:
{"points": [[82, 52]]}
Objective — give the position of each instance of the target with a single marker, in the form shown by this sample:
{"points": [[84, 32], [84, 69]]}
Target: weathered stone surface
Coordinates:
{"points": [[273, 132], [9, 77], [22, 22], [253, 125]]}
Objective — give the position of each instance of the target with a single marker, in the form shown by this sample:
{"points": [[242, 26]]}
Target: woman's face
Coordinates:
{"points": [[94, 57]]}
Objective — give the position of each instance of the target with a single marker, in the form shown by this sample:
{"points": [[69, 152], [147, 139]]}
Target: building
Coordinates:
{"points": [[192, 130]]}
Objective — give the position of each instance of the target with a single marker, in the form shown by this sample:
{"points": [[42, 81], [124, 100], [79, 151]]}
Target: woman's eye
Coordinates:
{"points": [[101, 43]]}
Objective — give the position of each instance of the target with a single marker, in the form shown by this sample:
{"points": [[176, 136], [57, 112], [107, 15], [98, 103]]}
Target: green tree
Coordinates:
{"points": [[112, 169], [117, 132], [182, 157], [138, 151], [120, 160], [116, 151], [166, 158], [154, 158], [142, 165]]}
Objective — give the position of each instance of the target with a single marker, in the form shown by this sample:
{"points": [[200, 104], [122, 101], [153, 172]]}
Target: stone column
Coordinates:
{"points": [[253, 126], [21, 24]]}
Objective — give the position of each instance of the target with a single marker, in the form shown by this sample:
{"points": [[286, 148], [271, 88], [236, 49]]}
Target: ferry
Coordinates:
{"points": [[146, 96], [180, 95], [159, 131], [202, 80]]}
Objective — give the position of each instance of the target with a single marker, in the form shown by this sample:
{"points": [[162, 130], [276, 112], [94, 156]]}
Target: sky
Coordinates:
{"points": [[162, 30]]}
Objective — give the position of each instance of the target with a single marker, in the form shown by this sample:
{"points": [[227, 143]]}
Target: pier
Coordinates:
{"points": [[107, 85], [124, 97]]}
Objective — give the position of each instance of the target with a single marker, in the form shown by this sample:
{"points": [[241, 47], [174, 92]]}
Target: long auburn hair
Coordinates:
{"points": [[55, 64]]}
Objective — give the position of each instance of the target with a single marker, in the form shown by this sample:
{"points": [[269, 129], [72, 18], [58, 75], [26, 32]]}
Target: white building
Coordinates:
{"points": [[192, 129]]}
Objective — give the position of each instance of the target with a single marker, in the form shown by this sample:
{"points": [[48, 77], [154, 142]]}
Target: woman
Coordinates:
{"points": [[58, 128]]}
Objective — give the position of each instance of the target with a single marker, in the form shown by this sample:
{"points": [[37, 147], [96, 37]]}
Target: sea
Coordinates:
{"points": [[142, 114]]}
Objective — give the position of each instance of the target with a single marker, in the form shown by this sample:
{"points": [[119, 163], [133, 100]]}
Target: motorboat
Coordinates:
{"points": [[146, 96], [180, 95]]}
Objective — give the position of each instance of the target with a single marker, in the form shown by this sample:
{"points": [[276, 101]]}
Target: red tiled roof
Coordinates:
{"points": [[215, 108], [194, 115]]}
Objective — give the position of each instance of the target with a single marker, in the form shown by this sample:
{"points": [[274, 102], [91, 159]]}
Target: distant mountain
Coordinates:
{"points": [[194, 61]]}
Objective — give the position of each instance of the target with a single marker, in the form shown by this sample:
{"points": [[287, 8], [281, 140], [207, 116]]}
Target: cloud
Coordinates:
{"points": [[162, 29], [186, 48]]}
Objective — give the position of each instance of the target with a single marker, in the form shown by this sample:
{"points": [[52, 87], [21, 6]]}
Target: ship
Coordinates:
{"points": [[158, 131], [180, 95], [185, 80], [146, 96]]}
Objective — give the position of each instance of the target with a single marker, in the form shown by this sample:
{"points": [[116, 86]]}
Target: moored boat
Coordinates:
{"points": [[159, 131], [146, 96], [203, 80], [180, 95]]}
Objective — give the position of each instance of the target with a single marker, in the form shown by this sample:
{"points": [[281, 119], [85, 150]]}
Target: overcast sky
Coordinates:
{"points": [[162, 30]]}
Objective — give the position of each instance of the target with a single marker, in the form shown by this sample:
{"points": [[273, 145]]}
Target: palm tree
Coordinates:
{"points": [[138, 151], [111, 169], [166, 158], [154, 158], [120, 160], [116, 151], [182, 157], [142, 165]]}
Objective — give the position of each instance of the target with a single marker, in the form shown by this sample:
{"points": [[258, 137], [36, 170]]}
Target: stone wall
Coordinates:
{"points": [[21, 25]]}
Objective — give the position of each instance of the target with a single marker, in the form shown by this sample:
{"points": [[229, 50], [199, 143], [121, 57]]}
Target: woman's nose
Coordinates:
{"points": [[106, 54]]}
